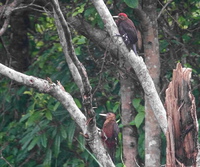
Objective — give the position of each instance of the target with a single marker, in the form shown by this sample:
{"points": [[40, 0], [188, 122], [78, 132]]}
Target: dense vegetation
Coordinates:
{"points": [[35, 129]]}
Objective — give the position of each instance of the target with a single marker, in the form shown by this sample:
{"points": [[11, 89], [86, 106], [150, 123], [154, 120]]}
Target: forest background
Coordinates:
{"points": [[37, 130]]}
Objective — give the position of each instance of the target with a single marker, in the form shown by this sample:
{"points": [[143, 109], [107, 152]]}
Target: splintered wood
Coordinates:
{"points": [[182, 133]]}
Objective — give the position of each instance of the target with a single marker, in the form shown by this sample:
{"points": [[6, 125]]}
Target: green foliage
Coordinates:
{"points": [[131, 3], [78, 10], [139, 118], [36, 131]]}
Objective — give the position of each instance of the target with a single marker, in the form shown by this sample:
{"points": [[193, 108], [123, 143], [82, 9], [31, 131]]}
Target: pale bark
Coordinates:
{"points": [[57, 91], [73, 69], [136, 63], [81, 79], [151, 53]]}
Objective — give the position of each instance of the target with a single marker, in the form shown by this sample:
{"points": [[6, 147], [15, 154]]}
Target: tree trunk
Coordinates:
{"points": [[151, 52], [182, 133], [129, 133]]}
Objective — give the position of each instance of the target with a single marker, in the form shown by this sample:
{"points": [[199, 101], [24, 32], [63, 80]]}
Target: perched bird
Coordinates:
{"points": [[127, 31], [109, 134]]}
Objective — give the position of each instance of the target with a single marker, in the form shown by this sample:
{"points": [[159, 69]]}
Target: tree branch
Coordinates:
{"points": [[83, 81], [6, 11], [67, 101], [98, 36], [91, 135], [81, 69], [53, 89], [163, 8]]}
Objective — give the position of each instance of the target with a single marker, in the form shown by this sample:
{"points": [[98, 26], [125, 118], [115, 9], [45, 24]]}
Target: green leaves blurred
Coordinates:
{"points": [[131, 3], [36, 125], [139, 118]]}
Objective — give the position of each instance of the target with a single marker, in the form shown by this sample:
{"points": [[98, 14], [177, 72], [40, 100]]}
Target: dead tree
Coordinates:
{"points": [[182, 132]]}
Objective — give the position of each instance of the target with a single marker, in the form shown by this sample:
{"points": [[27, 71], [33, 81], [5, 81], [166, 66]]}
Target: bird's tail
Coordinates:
{"points": [[134, 48], [111, 152]]}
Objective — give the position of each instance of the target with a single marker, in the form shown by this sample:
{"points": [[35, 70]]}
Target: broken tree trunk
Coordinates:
{"points": [[182, 132]]}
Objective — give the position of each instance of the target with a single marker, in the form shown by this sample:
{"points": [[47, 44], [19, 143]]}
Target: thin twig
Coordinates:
{"points": [[163, 8]]}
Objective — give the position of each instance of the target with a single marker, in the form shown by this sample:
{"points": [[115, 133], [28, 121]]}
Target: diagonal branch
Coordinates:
{"points": [[64, 24], [93, 139], [68, 47], [57, 91], [53, 89], [164, 7]]}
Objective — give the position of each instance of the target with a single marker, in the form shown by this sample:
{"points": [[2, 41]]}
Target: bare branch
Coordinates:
{"points": [[5, 25], [163, 8], [80, 74], [67, 101], [85, 87], [81, 69], [74, 71], [53, 89]]}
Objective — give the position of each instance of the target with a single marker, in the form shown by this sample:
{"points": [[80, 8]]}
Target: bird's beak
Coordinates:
{"points": [[115, 17], [104, 115]]}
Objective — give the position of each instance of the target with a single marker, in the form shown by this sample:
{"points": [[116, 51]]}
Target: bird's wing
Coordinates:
{"points": [[127, 27], [116, 130]]}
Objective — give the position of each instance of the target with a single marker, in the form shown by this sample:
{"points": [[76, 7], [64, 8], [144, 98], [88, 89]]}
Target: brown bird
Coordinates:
{"points": [[109, 134], [127, 31]]}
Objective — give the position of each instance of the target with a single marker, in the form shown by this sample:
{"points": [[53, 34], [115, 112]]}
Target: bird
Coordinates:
{"points": [[109, 134], [127, 31]]}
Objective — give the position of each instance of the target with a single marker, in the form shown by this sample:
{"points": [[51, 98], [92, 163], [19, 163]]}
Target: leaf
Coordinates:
{"points": [[108, 105], [77, 103], [56, 106], [136, 102], [63, 132], [89, 11], [115, 108], [70, 134], [48, 115], [24, 117], [132, 3], [78, 51], [35, 117], [33, 143], [43, 140], [186, 38], [25, 141], [120, 125], [57, 145], [139, 119], [47, 161], [132, 122], [79, 10], [140, 108], [81, 40]]}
